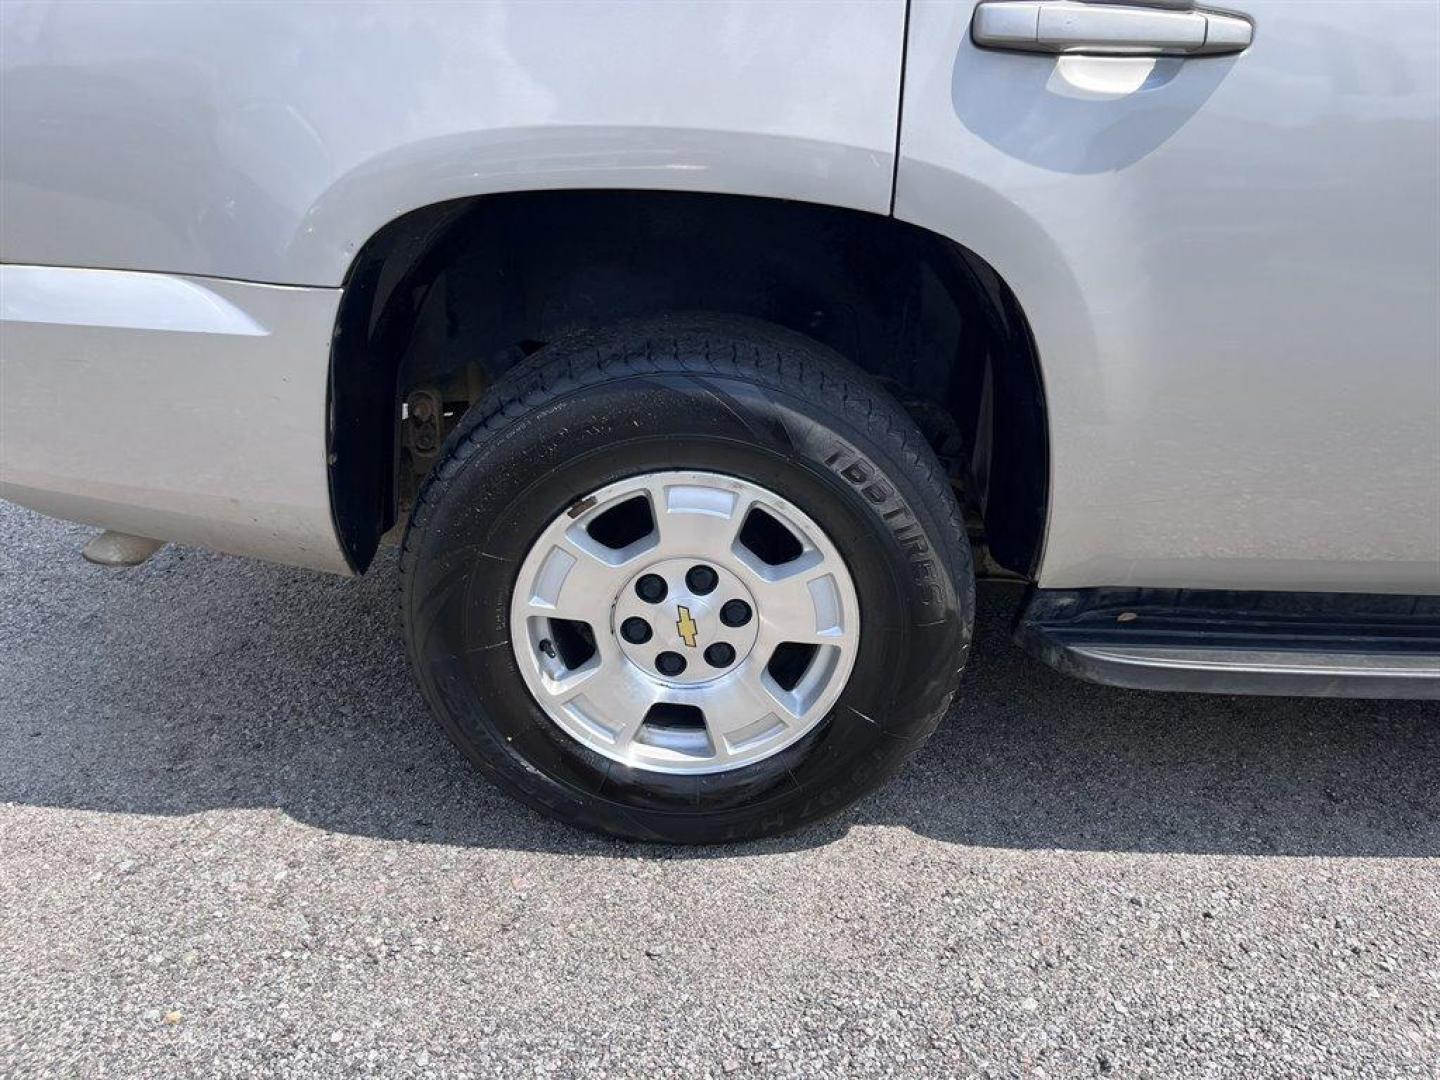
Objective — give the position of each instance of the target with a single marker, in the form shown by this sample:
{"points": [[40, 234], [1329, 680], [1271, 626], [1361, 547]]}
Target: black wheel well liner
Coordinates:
{"points": [[476, 283]]}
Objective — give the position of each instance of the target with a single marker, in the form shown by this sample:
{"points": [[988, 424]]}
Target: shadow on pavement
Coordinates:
{"points": [[200, 682]]}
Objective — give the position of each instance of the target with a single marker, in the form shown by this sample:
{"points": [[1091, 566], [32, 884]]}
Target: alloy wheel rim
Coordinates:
{"points": [[750, 619]]}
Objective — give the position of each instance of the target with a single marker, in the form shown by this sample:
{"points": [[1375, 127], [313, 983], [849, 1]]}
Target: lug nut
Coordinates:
{"points": [[721, 654], [701, 580], [670, 663], [635, 630], [735, 613], [651, 588]]}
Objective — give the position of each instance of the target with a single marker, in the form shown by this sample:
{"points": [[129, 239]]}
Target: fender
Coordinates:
{"points": [[459, 166], [267, 143]]}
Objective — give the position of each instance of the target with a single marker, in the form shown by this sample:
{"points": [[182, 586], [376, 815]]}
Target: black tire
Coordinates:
{"points": [[722, 394]]}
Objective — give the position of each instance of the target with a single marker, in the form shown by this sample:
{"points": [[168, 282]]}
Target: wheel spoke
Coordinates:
{"points": [[742, 711], [575, 581], [609, 699], [700, 520], [805, 606]]}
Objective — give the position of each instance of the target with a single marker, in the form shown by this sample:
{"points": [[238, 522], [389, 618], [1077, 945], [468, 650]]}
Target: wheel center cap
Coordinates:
{"points": [[709, 638]]}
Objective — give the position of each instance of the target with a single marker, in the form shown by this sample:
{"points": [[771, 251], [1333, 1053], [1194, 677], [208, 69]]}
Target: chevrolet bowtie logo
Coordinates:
{"points": [[686, 627]]}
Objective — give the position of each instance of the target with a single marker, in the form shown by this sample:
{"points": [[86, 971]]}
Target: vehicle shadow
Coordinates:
{"points": [[200, 682]]}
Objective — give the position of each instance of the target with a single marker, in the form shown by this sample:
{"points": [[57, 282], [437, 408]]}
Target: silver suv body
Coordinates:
{"points": [[1211, 240]]}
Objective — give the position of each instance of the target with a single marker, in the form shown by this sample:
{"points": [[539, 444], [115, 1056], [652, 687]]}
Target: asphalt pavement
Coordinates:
{"points": [[232, 843]]}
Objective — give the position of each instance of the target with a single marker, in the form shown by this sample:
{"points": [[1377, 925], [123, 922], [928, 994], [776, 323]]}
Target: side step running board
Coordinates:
{"points": [[1210, 641]]}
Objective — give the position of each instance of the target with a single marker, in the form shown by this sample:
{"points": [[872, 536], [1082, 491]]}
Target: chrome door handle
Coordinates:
{"points": [[1070, 26]]}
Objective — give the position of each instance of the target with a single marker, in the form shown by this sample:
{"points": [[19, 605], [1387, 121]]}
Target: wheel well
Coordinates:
{"points": [[442, 301]]}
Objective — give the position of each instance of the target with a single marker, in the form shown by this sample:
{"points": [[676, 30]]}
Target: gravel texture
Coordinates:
{"points": [[233, 843]]}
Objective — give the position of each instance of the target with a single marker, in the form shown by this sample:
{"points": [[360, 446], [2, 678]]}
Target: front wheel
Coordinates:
{"points": [[691, 580]]}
